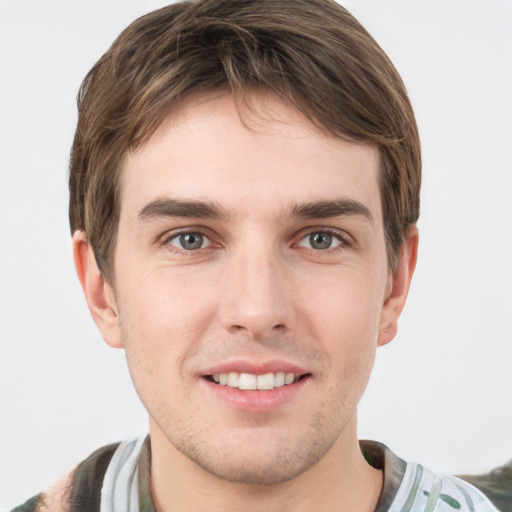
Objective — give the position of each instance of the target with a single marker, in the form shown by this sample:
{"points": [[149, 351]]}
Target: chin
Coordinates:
{"points": [[260, 456], [279, 469]]}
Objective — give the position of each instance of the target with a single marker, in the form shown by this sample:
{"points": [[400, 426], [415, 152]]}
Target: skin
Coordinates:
{"points": [[257, 289]]}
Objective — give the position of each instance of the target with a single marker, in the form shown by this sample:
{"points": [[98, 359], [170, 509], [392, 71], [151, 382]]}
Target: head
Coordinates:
{"points": [[313, 54], [244, 187]]}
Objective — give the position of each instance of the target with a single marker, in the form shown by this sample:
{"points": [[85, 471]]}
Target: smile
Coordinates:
{"points": [[250, 381]]}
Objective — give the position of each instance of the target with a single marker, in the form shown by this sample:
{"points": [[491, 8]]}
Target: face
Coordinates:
{"points": [[251, 286]]}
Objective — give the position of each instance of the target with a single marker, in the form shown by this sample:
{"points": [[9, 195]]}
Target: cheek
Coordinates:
{"points": [[162, 321], [345, 318]]}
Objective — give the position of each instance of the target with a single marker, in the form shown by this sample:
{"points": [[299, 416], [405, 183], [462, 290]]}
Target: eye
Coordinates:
{"points": [[191, 241], [321, 240]]}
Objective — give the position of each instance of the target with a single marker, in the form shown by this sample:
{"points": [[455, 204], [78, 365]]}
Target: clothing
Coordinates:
{"points": [[116, 479], [496, 485]]}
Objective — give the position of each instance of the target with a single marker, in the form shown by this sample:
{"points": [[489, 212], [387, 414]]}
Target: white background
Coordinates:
{"points": [[441, 393]]}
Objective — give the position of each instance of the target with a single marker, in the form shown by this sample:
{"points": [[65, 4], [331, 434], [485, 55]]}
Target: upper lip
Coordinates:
{"points": [[255, 367]]}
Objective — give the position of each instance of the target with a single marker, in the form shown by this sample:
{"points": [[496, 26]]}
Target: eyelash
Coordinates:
{"points": [[340, 236], [186, 252]]}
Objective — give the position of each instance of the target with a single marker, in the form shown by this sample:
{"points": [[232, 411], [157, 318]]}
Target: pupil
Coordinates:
{"points": [[320, 240], [191, 241]]}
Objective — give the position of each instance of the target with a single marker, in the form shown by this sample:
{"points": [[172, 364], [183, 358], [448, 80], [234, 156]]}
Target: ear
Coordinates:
{"points": [[98, 293], [398, 287]]}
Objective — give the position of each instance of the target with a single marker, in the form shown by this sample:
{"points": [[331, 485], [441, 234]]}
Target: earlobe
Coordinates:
{"points": [[399, 284], [98, 292]]}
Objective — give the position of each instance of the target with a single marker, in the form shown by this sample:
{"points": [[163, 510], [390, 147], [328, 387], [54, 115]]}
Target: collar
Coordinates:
{"points": [[376, 454]]}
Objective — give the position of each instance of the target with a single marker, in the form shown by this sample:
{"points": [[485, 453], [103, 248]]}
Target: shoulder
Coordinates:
{"points": [[473, 498], [55, 499], [496, 485], [414, 488], [78, 490], [430, 491]]}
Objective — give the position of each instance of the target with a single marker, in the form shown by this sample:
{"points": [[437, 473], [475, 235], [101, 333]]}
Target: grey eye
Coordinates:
{"points": [[320, 241], [191, 241]]}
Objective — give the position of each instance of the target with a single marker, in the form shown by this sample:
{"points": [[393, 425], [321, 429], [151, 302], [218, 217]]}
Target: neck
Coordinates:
{"points": [[342, 480]]}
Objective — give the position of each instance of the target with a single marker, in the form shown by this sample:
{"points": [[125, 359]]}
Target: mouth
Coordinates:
{"points": [[255, 382]]}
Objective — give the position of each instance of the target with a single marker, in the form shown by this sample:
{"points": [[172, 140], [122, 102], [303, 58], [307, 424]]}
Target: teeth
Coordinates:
{"points": [[247, 381], [233, 379], [279, 378], [266, 381], [250, 381]]}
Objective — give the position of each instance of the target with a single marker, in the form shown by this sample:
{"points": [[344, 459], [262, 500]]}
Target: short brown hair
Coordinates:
{"points": [[312, 53]]}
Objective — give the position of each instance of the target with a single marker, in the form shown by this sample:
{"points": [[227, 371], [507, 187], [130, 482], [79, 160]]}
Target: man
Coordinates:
{"points": [[244, 190]]}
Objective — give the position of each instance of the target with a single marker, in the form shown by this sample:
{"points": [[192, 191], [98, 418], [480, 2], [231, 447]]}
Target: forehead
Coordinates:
{"points": [[261, 152]]}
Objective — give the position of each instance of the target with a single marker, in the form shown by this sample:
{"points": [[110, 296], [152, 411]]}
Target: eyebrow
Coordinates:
{"points": [[169, 207], [330, 208]]}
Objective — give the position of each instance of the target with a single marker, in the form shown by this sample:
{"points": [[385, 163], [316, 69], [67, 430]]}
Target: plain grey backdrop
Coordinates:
{"points": [[441, 392]]}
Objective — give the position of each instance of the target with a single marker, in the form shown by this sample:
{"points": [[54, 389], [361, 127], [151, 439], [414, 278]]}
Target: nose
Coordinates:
{"points": [[257, 297]]}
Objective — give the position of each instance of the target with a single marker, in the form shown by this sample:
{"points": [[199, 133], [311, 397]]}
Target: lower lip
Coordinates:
{"points": [[256, 401]]}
